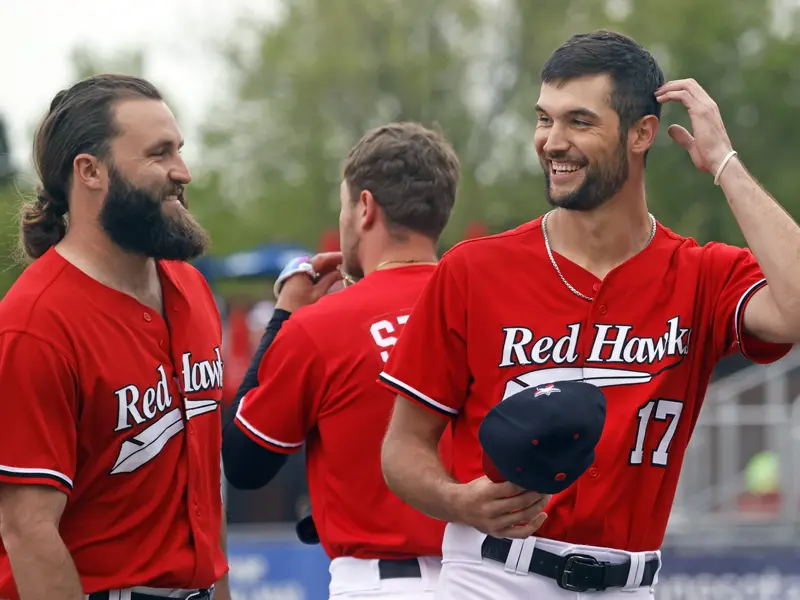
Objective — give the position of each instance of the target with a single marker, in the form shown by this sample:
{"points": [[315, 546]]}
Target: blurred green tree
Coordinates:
{"points": [[306, 85], [87, 62], [321, 76]]}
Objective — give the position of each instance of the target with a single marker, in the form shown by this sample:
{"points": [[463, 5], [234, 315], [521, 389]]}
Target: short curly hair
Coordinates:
{"points": [[411, 171]]}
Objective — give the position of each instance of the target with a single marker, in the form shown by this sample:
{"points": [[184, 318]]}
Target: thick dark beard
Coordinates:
{"points": [[602, 182], [135, 221]]}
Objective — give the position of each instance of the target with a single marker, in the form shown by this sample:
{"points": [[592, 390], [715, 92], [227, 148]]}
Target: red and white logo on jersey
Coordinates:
{"points": [[611, 344], [154, 407]]}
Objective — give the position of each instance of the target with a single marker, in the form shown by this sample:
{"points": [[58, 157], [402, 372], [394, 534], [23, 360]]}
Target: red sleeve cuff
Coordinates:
{"points": [[753, 349], [411, 393], [48, 477], [264, 440]]}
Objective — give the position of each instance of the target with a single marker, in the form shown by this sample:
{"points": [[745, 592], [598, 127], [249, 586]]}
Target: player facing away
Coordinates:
{"points": [[595, 291], [110, 369], [317, 381]]}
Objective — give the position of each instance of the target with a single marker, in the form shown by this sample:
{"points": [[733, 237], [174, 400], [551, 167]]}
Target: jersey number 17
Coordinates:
{"points": [[656, 410]]}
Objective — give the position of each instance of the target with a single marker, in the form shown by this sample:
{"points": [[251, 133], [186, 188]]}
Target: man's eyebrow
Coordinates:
{"points": [[583, 112], [165, 143], [575, 112]]}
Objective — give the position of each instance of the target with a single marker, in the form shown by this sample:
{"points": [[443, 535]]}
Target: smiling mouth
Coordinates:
{"points": [[173, 199], [564, 169]]}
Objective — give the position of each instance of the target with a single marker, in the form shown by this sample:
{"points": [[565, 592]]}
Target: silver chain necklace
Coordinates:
{"points": [[555, 264]]}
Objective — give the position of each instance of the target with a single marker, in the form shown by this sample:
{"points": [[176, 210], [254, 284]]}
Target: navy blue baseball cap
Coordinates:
{"points": [[543, 438]]}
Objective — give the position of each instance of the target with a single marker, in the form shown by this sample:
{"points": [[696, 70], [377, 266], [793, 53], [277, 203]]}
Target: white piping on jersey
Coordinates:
{"points": [[262, 436], [417, 394], [49, 473], [737, 316]]}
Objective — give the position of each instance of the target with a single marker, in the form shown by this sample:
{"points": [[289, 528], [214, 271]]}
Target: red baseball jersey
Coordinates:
{"points": [[496, 318], [317, 386], [104, 400]]}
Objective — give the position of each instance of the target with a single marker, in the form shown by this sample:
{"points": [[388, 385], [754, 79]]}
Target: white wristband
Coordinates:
{"points": [[724, 162]]}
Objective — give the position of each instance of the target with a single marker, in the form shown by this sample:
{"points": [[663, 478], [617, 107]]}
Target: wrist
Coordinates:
{"points": [[284, 305], [453, 496], [733, 169], [722, 163]]}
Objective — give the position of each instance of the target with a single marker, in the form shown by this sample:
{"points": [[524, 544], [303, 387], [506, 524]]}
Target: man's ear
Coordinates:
{"points": [[90, 172], [643, 134], [367, 209]]}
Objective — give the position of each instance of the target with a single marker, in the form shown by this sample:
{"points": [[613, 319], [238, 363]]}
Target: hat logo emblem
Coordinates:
{"points": [[545, 391]]}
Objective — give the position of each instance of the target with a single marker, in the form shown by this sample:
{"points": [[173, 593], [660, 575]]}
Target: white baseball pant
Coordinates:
{"points": [[466, 575], [358, 578]]}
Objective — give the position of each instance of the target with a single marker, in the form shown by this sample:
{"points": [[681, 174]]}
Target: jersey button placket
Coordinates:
{"points": [[147, 317]]}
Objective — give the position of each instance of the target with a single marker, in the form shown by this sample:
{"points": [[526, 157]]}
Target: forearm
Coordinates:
{"points": [[771, 233], [414, 472], [41, 564]]}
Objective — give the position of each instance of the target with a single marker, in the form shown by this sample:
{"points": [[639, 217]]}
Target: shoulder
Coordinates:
{"points": [[334, 310], [712, 252], [470, 256], [39, 300], [509, 239], [339, 316]]}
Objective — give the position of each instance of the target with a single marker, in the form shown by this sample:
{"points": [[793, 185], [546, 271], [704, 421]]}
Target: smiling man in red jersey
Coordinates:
{"points": [[316, 382], [596, 291], [110, 368]]}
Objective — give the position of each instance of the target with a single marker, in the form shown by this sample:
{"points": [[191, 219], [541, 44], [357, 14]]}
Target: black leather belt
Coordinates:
{"points": [[399, 569], [198, 595], [573, 572]]}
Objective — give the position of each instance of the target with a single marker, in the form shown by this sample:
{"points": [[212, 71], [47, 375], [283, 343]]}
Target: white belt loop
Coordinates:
{"points": [[658, 569], [636, 572], [525, 556], [513, 556]]}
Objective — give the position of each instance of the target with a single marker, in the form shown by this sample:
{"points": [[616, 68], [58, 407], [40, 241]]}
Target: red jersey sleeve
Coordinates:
{"points": [[740, 278], [284, 407], [38, 412], [428, 364]]}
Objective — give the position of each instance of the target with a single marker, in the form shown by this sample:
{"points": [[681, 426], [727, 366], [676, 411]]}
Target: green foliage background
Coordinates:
{"points": [[306, 86]]}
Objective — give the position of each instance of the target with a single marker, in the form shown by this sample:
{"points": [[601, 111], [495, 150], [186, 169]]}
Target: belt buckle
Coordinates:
{"points": [[575, 559], [199, 595]]}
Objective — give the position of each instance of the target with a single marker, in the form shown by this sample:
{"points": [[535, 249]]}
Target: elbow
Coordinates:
{"points": [[243, 483], [237, 476], [240, 475], [29, 513], [17, 533], [248, 466]]}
